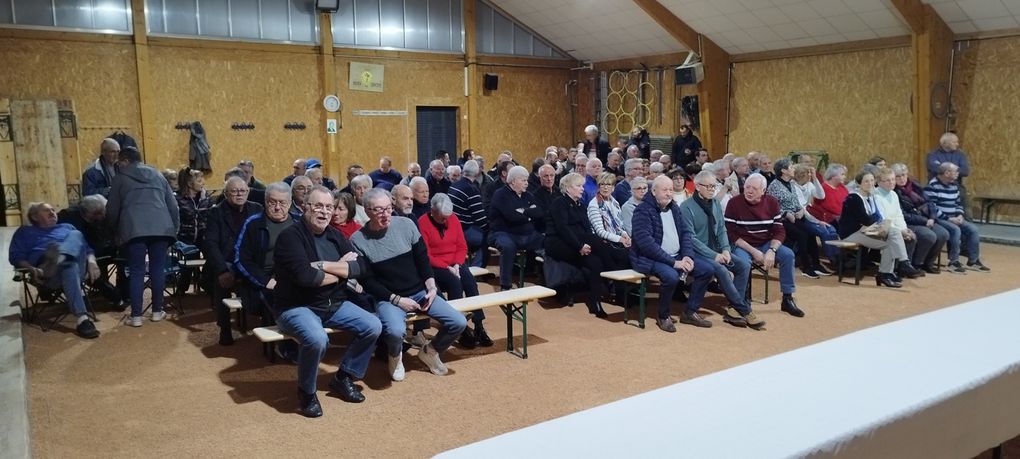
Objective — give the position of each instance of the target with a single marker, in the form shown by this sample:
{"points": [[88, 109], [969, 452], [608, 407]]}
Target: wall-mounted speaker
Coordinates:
{"points": [[327, 5], [490, 82]]}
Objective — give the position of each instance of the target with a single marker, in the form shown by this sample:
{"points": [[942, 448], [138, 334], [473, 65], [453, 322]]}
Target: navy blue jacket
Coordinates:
{"points": [[503, 214], [647, 227], [221, 235], [250, 250]]}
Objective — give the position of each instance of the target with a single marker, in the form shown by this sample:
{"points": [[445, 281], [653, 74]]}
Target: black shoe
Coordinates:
{"points": [[594, 307], [956, 268], [308, 405], [932, 269], [118, 305], [919, 269], [887, 280], [905, 269], [978, 266], [87, 330], [482, 337], [666, 325], [345, 388], [821, 271], [467, 339], [790, 307], [693, 318], [227, 337], [714, 288], [809, 273]]}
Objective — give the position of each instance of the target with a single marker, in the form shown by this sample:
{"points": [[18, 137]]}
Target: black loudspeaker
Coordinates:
{"points": [[490, 82], [686, 76], [327, 5]]}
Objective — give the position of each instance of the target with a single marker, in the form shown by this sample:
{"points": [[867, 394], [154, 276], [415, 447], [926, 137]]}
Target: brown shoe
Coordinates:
{"points": [[666, 325], [693, 318], [753, 321]]}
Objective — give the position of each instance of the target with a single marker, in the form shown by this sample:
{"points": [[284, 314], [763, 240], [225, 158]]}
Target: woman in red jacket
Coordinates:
{"points": [[447, 248], [829, 208], [343, 216]]}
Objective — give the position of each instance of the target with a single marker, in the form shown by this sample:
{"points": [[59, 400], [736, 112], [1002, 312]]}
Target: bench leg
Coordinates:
{"points": [[857, 266], [642, 290], [520, 313], [839, 268]]}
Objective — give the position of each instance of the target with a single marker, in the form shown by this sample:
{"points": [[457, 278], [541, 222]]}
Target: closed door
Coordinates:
{"points": [[437, 130]]}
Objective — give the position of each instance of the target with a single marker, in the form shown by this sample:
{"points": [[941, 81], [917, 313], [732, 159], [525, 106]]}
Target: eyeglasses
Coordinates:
{"points": [[381, 210], [321, 207], [710, 187], [239, 192], [275, 203]]}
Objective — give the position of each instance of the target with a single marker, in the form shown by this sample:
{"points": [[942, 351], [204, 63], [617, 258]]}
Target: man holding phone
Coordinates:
{"points": [[402, 283]]}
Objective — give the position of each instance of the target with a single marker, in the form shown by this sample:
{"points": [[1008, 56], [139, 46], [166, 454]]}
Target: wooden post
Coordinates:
{"points": [[145, 95], [37, 152], [471, 66], [329, 86], [8, 169]]}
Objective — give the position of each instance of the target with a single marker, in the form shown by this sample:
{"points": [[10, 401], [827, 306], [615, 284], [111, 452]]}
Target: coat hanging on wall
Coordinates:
{"points": [[198, 154], [123, 139]]}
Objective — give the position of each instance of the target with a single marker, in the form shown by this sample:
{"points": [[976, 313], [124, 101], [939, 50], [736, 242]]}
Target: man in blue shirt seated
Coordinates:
{"points": [[58, 257]]}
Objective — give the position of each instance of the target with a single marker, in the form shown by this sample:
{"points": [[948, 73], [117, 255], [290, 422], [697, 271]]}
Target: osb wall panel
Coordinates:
{"points": [[38, 153], [408, 84], [100, 79], [985, 89], [529, 112], [853, 105], [223, 87]]}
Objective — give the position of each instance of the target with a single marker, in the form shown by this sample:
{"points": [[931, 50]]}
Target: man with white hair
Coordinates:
{"points": [[544, 193], [633, 152], [655, 170], [470, 210], [594, 145], [655, 156], [613, 164], [453, 173], [89, 217], [403, 282], [437, 181], [948, 151], [359, 186], [299, 187], [634, 167], [592, 170], [403, 201], [512, 217], [755, 228], [419, 197], [98, 177]]}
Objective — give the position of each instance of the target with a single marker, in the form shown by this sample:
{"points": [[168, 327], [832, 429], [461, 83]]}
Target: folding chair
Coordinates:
{"points": [[757, 268], [39, 299]]}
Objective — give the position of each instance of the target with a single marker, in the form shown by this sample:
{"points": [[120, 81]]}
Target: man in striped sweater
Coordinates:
{"points": [[755, 230], [943, 194], [470, 210]]}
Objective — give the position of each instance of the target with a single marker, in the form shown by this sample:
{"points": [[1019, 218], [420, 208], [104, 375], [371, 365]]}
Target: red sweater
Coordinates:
{"points": [[347, 228], [828, 209], [447, 249], [757, 223]]}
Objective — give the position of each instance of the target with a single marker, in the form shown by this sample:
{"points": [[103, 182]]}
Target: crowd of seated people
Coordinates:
{"points": [[305, 254]]}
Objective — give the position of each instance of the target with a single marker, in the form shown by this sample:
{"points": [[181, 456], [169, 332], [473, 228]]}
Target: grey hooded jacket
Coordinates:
{"points": [[141, 204]]}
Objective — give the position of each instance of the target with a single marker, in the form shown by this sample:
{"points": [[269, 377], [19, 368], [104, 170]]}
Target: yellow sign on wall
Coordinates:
{"points": [[366, 77]]}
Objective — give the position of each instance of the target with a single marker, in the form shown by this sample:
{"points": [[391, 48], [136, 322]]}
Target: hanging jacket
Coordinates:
{"points": [[198, 151]]}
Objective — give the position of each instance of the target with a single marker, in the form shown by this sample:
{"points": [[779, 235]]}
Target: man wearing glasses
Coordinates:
{"points": [[312, 262], [98, 177], [704, 217], [402, 281], [224, 225]]}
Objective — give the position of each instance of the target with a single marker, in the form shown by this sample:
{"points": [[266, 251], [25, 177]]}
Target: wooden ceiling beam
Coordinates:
{"points": [[676, 27], [912, 12]]}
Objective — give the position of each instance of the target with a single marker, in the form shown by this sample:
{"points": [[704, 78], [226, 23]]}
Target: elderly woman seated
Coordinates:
{"points": [[638, 188], [921, 219], [889, 207], [57, 258], [447, 249], [808, 188], [861, 222], [800, 235], [570, 239]]}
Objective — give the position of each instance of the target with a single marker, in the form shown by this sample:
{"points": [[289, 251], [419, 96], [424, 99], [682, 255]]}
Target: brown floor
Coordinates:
{"points": [[167, 389]]}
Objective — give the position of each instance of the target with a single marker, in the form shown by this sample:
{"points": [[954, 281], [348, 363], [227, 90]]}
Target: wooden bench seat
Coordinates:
{"points": [[632, 279], [513, 303], [858, 253]]}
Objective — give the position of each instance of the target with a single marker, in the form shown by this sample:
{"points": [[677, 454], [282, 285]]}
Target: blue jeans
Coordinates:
{"points": [[784, 260], [136, 250], [458, 287], [965, 233], [451, 323], [669, 280], [476, 238], [307, 327], [71, 272], [733, 287], [508, 245], [825, 233]]}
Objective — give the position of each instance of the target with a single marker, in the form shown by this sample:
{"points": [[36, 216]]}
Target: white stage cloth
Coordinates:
{"points": [[941, 384]]}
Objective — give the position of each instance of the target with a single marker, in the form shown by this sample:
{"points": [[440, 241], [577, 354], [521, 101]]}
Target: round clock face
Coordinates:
{"points": [[331, 103]]}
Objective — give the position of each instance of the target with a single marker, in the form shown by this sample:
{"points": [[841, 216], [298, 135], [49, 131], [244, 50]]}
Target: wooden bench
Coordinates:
{"points": [[520, 262], [858, 253], [988, 202], [631, 279], [514, 304]]}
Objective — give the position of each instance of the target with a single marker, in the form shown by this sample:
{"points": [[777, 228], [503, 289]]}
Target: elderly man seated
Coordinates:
{"points": [[467, 204], [512, 217], [943, 193], [419, 197], [360, 185], [299, 190], [89, 217], [755, 229], [437, 181], [311, 263], [58, 257], [403, 282], [403, 201], [447, 249]]}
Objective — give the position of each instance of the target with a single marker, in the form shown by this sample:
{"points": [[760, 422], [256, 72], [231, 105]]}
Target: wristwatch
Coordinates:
{"points": [[773, 249]]}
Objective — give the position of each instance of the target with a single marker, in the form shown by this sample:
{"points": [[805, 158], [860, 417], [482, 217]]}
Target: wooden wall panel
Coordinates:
{"points": [[985, 89], [854, 105], [529, 112], [99, 78], [38, 153], [221, 87]]}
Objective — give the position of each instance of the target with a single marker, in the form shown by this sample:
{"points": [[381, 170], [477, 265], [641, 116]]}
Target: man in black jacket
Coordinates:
{"points": [[512, 217], [311, 263], [88, 217], [224, 225]]}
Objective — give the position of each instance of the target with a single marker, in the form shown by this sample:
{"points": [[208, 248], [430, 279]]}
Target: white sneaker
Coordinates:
{"points": [[135, 321], [419, 340], [431, 359], [158, 316], [397, 367]]}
